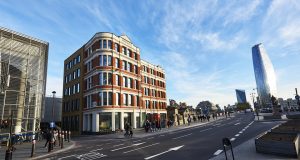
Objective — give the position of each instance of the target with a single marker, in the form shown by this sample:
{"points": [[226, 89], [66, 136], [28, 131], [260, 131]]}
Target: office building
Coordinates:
{"points": [[240, 96], [106, 85], [23, 70], [264, 75]]}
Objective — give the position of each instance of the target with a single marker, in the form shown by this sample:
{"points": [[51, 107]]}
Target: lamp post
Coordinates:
{"points": [[53, 123], [255, 106]]}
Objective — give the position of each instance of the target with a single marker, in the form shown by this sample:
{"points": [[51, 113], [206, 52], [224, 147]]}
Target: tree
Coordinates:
{"points": [[243, 106]]}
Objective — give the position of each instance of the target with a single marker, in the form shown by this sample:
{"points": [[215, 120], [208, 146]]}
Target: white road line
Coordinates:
{"points": [[162, 135], [237, 135], [66, 157], [182, 136], [137, 144], [136, 141], [218, 152], [171, 149], [237, 123], [206, 129], [150, 138], [96, 150], [118, 145], [141, 148], [240, 132], [232, 139]]}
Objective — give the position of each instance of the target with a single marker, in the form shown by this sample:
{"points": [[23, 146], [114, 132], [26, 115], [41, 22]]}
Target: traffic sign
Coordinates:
{"points": [[52, 124]]}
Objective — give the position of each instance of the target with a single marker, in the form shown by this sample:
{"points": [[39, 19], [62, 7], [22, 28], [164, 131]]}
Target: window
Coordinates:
{"points": [[135, 69], [104, 78], [125, 99], [129, 67], [78, 72], [124, 65], [135, 56], [89, 101], [104, 44], [124, 51], [129, 100], [70, 77], [104, 98], [109, 44], [129, 82], [129, 52], [104, 60], [100, 44], [116, 47], [100, 99], [89, 66], [124, 81], [100, 60], [109, 78], [118, 80], [118, 100], [89, 83], [110, 95], [89, 51], [77, 87], [137, 101], [74, 74], [74, 89], [117, 63], [109, 59], [136, 84], [66, 79]]}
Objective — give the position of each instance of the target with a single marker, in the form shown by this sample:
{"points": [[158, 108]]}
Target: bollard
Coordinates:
{"points": [[65, 133], [226, 143], [62, 141], [59, 136], [69, 136], [8, 154], [33, 147]]}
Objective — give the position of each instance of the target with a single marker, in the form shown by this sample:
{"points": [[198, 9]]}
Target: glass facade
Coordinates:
{"points": [[240, 96], [264, 75], [23, 69]]}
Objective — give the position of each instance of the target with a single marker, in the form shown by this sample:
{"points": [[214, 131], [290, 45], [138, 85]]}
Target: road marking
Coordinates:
{"points": [[240, 132], [136, 141], [137, 144], [218, 152], [206, 129], [118, 145], [237, 135], [96, 150], [150, 138], [183, 136], [141, 148], [162, 135], [237, 124], [171, 149], [232, 139]]}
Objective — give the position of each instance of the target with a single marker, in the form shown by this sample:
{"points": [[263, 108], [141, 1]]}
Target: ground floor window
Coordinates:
{"points": [[105, 121]]}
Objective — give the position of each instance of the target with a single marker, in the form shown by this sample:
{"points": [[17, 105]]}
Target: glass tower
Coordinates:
{"points": [[264, 75], [241, 96]]}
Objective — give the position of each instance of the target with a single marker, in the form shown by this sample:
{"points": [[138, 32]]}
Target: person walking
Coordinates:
{"points": [[131, 131], [48, 138], [126, 129]]}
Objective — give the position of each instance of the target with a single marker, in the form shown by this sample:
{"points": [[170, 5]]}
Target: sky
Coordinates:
{"points": [[204, 46]]}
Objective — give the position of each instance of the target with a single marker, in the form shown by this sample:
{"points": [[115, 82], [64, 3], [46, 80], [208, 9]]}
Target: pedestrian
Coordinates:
{"points": [[131, 131], [208, 117], [126, 129], [48, 137]]}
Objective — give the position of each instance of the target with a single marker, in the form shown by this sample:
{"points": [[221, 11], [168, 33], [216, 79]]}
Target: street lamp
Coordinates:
{"points": [[254, 106], [52, 124]]}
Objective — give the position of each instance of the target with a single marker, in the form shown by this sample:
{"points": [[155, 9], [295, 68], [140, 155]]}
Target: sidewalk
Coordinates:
{"points": [[247, 151], [23, 151], [140, 132]]}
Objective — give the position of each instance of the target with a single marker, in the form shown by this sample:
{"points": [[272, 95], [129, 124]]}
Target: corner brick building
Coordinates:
{"points": [[106, 84]]}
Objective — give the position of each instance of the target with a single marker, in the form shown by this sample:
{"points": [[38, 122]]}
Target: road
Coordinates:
{"points": [[200, 142]]}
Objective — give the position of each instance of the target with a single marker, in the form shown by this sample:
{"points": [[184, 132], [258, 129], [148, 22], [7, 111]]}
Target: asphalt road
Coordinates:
{"points": [[201, 142]]}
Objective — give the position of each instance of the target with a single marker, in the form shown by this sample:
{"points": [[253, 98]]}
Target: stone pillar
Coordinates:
{"points": [[88, 122], [141, 119], [122, 120], [83, 124], [134, 119], [20, 103], [113, 121], [95, 122]]}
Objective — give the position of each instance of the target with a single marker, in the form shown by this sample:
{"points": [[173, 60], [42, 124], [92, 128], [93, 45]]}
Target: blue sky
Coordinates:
{"points": [[204, 46]]}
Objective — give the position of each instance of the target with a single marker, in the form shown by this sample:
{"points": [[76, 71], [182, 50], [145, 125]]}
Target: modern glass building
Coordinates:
{"points": [[264, 75], [23, 70], [240, 96]]}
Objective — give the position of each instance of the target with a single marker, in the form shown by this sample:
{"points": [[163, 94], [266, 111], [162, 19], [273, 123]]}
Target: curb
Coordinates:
{"points": [[58, 151]]}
